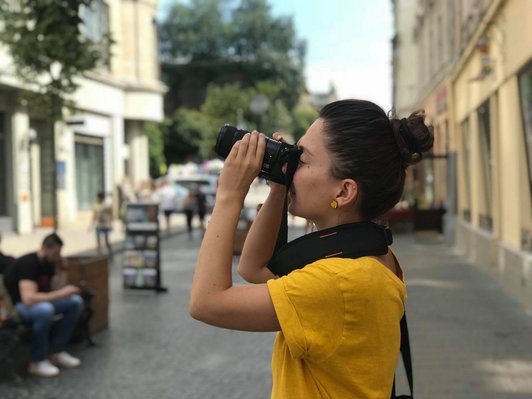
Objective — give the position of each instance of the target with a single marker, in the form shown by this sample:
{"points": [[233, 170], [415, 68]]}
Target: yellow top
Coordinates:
{"points": [[340, 334]]}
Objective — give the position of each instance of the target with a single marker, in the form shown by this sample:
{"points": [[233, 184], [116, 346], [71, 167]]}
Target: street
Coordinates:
{"points": [[469, 339]]}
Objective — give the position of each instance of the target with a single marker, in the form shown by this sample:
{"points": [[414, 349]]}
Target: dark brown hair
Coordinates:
{"points": [[374, 150], [52, 240]]}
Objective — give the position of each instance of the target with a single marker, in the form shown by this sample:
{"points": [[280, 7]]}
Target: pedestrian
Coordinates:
{"points": [[102, 221], [146, 192], [167, 198], [189, 207], [126, 196], [201, 207], [36, 283], [337, 318]]}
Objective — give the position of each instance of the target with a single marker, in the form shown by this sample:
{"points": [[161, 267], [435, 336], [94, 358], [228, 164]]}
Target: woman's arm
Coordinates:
{"points": [[213, 298], [261, 238]]}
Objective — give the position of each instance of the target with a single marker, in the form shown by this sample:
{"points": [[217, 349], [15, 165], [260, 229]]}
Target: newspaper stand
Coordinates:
{"points": [[141, 261]]}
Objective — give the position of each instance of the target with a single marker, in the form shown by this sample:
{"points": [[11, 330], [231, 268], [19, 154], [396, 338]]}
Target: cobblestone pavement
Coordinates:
{"points": [[469, 339]]}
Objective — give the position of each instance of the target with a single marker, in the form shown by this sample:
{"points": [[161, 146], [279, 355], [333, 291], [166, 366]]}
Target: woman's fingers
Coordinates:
{"points": [[261, 146], [278, 136], [244, 145], [249, 149]]}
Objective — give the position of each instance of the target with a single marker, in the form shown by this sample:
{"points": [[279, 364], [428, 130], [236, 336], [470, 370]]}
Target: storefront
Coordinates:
{"points": [[89, 159]]}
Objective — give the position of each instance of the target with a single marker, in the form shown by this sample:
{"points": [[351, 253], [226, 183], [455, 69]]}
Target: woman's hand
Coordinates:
{"points": [[241, 166]]}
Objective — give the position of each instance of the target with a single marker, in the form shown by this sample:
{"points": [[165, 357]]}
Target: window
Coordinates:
{"points": [[525, 88], [95, 21], [89, 169], [466, 209], [96, 25], [3, 166], [485, 215], [525, 91], [439, 38]]}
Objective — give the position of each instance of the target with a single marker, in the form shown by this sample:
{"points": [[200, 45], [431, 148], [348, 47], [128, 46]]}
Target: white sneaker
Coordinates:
{"points": [[63, 359], [43, 369]]}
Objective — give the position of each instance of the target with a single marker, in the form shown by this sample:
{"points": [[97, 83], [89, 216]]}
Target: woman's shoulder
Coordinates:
{"points": [[365, 269]]}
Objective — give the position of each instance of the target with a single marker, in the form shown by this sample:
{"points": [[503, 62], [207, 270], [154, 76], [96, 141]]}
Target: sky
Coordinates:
{"points": [[348, 44]]}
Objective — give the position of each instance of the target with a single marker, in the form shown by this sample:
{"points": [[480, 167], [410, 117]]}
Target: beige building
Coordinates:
{"points": [[475, 82], [99, 144]]}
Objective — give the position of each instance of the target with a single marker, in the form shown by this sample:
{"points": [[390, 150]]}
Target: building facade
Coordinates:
{"points": [[99, 144], [475, 83]]}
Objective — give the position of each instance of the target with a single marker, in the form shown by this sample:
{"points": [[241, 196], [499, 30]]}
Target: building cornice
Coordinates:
{"points": [[126, 85]]}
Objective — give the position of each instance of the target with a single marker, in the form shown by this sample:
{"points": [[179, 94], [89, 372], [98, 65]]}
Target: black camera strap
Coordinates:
{"points": [[292, 160], [353, 240]]}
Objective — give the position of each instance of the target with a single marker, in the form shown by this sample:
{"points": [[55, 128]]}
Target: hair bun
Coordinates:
{"points": [[413, 137]]}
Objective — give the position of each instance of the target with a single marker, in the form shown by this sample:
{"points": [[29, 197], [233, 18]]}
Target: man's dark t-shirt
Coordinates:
{"points": [[28, 267], [5, 261]]}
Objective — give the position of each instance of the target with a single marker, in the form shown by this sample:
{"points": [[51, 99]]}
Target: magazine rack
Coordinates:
{"points": [[141, 261]]}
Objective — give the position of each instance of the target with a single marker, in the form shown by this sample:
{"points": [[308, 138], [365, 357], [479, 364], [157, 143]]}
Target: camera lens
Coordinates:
{"points": [[227, 137], [276, 153]]}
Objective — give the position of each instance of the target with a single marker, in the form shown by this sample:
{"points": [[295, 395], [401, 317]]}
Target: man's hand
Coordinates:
{"points": [[70, 290], [62, 264]]}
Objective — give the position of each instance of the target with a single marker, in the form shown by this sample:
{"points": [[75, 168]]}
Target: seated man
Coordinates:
{"points": [[33, 282]]}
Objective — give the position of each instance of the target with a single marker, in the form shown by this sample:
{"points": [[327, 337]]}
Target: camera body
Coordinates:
{"points": [[276, 154]]}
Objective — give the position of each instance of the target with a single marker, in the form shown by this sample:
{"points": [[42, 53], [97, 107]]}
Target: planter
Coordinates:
{"points": [[92, 272]]}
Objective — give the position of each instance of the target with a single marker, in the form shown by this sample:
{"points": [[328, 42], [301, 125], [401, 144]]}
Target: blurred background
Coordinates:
{"points": [[115, 96]]}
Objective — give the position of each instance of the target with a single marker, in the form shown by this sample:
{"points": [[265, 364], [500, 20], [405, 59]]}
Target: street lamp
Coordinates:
{"points": [[259, 105]]}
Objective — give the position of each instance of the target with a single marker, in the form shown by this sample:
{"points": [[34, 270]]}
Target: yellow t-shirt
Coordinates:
{"points": [[340, 334]]}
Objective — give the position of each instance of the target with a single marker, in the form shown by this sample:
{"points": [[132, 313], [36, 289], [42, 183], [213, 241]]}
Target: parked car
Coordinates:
{"points": [[207, 184]]}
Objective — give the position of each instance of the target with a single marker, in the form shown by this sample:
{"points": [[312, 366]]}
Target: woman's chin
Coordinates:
{"points": [[291, 207]]}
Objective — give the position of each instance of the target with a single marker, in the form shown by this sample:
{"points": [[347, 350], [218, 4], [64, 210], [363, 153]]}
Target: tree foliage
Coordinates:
{"points": [[49, 50], [156, 149], [183, 135], [210, 41], [303, 117]]}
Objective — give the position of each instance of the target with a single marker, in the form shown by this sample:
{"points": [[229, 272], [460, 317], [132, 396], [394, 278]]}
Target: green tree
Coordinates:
{"points": [[276, 117], [197, 31], [207, 41], [49, 50], [303, 117], [183, 135], [224, 104], [155, 135]]}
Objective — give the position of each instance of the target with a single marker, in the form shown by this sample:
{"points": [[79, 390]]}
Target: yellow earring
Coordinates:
{"points": [[334, 204]]}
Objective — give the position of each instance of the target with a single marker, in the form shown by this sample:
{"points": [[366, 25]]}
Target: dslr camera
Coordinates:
{"points": [[276, 154]]}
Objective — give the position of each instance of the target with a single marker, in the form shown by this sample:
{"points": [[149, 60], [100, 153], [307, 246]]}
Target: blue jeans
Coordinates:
{"points": [[46, 340]]}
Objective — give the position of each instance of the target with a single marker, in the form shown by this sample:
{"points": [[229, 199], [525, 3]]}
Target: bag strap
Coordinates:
{"points": [[407, 361]]}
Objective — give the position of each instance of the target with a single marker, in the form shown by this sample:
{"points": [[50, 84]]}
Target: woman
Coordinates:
{"points": [[338, 319]]}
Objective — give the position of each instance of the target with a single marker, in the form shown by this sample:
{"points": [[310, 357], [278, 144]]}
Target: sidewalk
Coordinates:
{"points": [[469, 339], [77, 237]]}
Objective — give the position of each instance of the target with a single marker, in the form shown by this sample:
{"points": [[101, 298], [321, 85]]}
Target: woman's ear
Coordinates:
{"points": [[348, 193]]}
